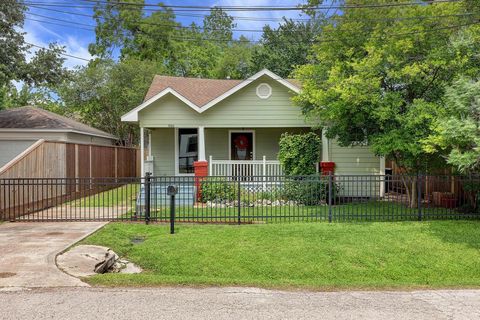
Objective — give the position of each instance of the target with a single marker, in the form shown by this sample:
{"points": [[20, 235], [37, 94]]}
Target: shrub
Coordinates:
{"points": [[218, 191], [299, 153], [272, 195], [309, 190]]}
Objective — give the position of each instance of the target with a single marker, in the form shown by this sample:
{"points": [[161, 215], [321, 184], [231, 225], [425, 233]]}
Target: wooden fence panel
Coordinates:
{"points": [[103, 162], [126, 162], [83, 161]]}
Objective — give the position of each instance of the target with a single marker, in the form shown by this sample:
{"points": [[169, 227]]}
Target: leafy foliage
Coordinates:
{"points": [[299, 153], [217, 191], [101, 93], [286, 47], [458, 129], [308, 190], [45, 66], [383, 80], [207, 51]]}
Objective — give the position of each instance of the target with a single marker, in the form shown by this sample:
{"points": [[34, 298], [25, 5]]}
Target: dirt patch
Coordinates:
{"points": [[137, 240], [54, 233], [6, 274], [82, 260]]}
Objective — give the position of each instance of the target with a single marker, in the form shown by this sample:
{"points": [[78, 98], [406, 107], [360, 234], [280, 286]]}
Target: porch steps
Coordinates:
{"points": [[160, 198]]}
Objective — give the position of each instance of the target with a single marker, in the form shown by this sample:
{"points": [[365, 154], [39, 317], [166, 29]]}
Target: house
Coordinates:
{"points": [[21, 127], [222, 127]]}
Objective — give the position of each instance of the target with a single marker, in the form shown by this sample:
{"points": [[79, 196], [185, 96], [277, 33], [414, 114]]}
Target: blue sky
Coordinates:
{"points": [[76, 40]]}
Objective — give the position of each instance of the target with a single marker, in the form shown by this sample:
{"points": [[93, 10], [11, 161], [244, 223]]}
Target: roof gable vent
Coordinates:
{"points": [[264, 91]]}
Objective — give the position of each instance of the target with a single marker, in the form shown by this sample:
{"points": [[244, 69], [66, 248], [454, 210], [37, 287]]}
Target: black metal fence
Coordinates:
{"points": [[258, 199]]}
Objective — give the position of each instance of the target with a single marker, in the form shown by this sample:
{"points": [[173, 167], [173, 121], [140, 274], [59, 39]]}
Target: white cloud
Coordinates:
{"points": [[35, 33]]}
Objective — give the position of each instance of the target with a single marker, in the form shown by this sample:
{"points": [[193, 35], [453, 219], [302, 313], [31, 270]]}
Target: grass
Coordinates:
{"points": [[299, 255], [124, 195], [361, 211]]}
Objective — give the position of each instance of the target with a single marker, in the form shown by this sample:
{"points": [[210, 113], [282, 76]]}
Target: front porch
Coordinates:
{"points": [[224, 151]]}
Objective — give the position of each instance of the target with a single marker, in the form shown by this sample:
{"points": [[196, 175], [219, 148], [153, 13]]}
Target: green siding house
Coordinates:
{"points": [[232, 126]]}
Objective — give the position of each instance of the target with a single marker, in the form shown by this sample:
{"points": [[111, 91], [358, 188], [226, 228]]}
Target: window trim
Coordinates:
{"points": [[177, 152], [258, 90], [252, 131]]}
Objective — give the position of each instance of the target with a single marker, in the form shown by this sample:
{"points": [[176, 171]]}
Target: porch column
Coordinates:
{"points": [[200, 166], [201, 144], [326, 165], [142, 152]]}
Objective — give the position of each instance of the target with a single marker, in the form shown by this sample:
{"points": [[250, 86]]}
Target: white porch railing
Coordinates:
{"points": [[244, 168]]}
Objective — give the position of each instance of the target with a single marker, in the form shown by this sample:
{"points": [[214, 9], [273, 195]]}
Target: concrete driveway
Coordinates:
{"points": [[236, 303], [28, 252]]}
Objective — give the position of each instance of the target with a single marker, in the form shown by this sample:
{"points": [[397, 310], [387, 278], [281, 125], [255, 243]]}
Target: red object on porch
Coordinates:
{"points": [[327, 167], [201, 171]]}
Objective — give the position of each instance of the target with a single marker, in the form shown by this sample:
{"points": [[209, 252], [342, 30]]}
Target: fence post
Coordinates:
{"points": [[264, 173], [239, 208], [330, 185], [147, 197], [419, 196], [172, 214]]}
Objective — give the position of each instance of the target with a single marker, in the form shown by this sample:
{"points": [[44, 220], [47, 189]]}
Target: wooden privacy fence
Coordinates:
{"points": [[442, 183], [48, 159]]}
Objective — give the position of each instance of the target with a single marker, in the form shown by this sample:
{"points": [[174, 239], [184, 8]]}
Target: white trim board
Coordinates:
{"points": [[22, 130], [177, 169], [132, 116]]}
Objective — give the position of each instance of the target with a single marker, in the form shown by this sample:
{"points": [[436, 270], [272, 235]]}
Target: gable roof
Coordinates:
{"points": [[200, 94], [197, 90], [32, 118]]}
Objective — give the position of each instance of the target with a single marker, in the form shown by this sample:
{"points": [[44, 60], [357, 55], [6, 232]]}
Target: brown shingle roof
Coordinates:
{"points": [[36, 118], [197, 90]]}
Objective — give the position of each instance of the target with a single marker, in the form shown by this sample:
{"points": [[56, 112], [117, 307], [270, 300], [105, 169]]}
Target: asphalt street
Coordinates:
{"points": [[235, 303]]}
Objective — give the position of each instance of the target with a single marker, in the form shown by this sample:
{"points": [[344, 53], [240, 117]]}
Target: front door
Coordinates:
{"points": [[241, 145]]}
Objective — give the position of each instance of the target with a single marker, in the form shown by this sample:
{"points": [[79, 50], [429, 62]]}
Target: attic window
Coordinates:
{"points": [[264, 91]]}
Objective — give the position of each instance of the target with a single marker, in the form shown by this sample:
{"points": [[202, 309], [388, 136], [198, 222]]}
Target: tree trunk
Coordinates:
{"points": [[414, 197], [410, 184]]}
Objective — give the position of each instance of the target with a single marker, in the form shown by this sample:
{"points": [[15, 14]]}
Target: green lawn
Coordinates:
{"points": [[361, 211], [299, 255], [124, 195]]}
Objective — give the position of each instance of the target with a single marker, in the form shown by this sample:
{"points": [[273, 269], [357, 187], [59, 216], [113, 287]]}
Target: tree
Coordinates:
{"points": [[286, 47], [382, 80], [235, 62], [11, 97], [44, 68], [218, 25], [127, 29], [101, 93], [458, 130], [188, 51]]}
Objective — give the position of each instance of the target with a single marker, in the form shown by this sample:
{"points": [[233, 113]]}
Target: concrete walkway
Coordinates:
{"points": [[28, 252], [236, 303]]}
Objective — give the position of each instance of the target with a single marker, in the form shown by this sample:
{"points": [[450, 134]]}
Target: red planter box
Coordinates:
{"points": [[449, 203]]}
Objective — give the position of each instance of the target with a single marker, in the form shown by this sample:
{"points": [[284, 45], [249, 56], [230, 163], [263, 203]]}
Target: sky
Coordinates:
{"points": [[76, 39]]}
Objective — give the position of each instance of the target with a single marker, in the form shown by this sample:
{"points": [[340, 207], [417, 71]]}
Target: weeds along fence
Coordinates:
{"points": [[242, 199]]}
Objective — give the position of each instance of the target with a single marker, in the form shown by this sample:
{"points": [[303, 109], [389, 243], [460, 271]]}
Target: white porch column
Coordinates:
{"points": [[150, 144], [142, 152], [201, 144], [325, 146], [382, 177]]}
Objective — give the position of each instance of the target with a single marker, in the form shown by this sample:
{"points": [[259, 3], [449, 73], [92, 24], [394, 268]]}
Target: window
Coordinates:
{"points": [[187, 150], [264, 91]]}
